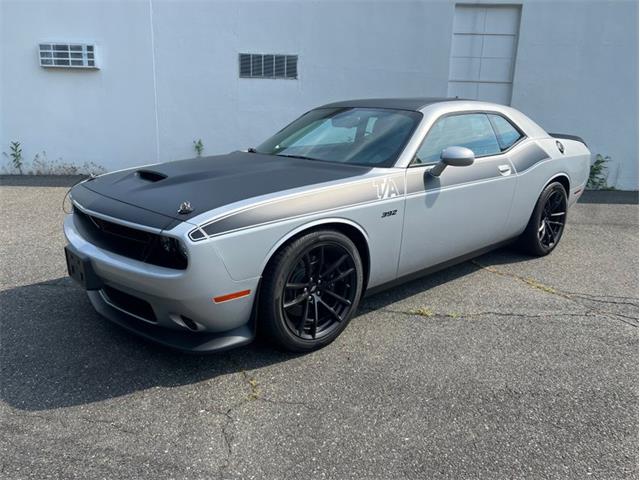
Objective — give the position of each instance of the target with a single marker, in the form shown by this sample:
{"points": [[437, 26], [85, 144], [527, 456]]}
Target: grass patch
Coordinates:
{"points": [[422, 312]]}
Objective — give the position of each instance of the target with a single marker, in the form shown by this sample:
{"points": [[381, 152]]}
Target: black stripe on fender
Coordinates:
{"points": [[527, 157]]}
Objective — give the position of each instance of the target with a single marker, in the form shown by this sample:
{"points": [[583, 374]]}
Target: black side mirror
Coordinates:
{"points": [[455, 157]]}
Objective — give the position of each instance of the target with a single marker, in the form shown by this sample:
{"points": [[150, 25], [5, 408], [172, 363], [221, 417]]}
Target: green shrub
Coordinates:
{"points": [[198, 147], [15, 155], [598, 173]]}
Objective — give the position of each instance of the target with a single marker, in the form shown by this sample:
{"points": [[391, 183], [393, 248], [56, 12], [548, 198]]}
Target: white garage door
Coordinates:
{"points": [[483, 52]]}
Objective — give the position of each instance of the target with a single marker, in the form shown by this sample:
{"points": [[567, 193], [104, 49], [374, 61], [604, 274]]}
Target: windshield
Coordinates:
{"points": [[361, 136]]}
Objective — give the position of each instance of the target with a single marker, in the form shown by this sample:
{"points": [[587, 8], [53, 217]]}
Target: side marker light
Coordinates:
{"points": [[231, 296]]}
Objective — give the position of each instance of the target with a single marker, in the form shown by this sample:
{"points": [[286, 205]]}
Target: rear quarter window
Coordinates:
{"points": [[506, 133]]}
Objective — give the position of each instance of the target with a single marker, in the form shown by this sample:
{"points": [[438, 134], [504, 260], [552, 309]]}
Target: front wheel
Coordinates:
{"points": [[310, 290], [547, 222]]}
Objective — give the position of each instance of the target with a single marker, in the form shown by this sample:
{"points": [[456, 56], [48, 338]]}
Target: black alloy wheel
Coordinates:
{"points": [[320, 290], [547, 221], [552, 219], [312, 287]]}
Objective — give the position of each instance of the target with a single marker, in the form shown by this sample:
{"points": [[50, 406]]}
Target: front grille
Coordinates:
{"points": [[130, 242], [129, 303]]}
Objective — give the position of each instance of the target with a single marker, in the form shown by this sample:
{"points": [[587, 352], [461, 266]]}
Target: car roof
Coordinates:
{"points": [[412, 103]]}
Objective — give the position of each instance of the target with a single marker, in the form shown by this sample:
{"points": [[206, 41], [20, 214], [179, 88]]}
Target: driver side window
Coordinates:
{"points": [[472, 130]]}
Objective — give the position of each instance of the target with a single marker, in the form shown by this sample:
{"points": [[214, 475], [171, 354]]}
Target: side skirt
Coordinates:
{"points": [[435, 268]]}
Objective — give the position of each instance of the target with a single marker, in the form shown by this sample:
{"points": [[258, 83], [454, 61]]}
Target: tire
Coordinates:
{"points": [[320, 270], [547, 222]]}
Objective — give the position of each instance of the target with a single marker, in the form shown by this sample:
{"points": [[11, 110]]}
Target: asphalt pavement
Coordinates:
{"points": [[502, 367]]}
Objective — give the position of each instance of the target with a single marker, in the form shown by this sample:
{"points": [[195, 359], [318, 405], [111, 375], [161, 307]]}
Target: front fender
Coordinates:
{"points": [[246, 253], [309, 226]]}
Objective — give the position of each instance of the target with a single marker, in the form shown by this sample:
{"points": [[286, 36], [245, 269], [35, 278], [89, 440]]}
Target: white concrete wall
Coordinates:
{"points": [[103, 116], [364, 50], [576, 71]]}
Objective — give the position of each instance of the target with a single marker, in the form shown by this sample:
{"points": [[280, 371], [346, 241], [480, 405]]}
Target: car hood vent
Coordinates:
{"points": [[150, 175]]}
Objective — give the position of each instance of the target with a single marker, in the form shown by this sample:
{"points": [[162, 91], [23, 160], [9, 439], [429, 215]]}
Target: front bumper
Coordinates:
{"points": [[182, 313], [186, 341]]}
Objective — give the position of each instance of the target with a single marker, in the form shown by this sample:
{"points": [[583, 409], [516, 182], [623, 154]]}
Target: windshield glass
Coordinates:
{"points": [[362, 136]]}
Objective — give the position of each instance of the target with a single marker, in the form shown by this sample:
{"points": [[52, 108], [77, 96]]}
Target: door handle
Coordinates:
{"points": [[504, 170]]}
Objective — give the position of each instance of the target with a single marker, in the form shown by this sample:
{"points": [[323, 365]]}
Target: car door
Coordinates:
{"points": [[465, 208]]}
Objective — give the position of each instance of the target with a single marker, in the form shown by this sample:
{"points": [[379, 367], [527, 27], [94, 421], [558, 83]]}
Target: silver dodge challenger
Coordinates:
{"points": [[285, 238]]}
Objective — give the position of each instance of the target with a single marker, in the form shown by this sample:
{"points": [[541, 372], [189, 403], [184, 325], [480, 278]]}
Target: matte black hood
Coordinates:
{"points": [[211, 182]]}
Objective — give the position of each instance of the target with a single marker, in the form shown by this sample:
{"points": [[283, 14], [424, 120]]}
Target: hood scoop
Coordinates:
{"points": [[150, 175]]}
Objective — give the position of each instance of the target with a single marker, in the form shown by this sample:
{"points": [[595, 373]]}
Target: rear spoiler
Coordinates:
{"points": [[569, 137]]}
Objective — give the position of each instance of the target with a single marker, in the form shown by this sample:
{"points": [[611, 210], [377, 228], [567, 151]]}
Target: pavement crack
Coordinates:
{"points": [[254, 395], [459, 315], [572, 297], [603, 299], [528, 315], [532, 282], [227, 436]]}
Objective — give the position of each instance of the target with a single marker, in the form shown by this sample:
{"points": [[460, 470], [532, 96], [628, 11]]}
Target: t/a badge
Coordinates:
{"points": [[386, 188]]}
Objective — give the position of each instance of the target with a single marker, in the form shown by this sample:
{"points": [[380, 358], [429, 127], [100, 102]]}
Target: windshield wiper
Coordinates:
{"points": [[295, 156]]}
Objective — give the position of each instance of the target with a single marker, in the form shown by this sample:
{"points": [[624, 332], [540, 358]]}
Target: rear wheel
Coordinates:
{"points": [[311, 289], [547, 222]]}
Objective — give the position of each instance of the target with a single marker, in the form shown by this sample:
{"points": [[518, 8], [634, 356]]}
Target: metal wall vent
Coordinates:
{"points": [[67, 55], [258, 65]]}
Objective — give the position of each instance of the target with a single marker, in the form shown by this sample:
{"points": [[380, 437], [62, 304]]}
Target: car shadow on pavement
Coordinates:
{"points": [[55, 351]]}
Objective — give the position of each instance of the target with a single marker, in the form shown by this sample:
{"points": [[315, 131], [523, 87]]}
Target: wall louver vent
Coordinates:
{"points": [[67, 55], [253, 65]]}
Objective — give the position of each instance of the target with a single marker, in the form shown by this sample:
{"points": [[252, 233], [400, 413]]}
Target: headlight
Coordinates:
{"points": [[169, 252]]}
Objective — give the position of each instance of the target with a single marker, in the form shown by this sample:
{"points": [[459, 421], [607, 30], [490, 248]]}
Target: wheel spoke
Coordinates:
{"points": [[550, 236], [343, 274], [314, 325], [335, 265], [337, 297], [295, 286], [550, 222], [303, 318], [329, 309], [558, 214], [296, 301], [545, 235]]}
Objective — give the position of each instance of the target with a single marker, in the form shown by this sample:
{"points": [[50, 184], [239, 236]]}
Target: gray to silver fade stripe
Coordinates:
{"points": [[527, 157], [342, 196]]}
